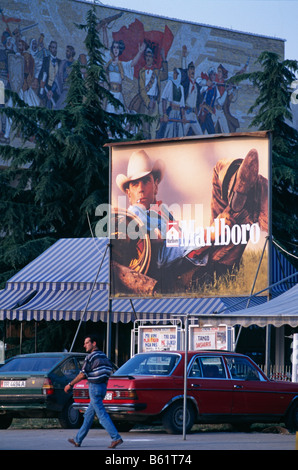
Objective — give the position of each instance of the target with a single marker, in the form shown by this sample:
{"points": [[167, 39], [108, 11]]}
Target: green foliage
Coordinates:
{"points": [[272, 112], [61, 171]]}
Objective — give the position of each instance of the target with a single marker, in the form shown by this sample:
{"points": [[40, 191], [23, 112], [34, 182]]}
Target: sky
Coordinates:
{"points": [[274, 18]]}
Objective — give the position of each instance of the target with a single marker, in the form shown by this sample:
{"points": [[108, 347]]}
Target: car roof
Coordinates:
{"points": [[217, 352], [47, 354]]}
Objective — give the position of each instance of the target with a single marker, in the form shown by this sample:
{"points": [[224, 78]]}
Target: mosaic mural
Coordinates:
{"points": [[170, 69]]}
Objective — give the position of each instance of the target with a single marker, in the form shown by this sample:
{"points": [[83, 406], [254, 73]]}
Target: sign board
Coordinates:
{"points": [[209, 337], [158, 338], [189, 217]]}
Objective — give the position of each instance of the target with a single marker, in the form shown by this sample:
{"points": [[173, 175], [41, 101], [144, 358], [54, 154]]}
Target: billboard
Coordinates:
{"points": [[158, 338], [189, 217], [210, 337]]}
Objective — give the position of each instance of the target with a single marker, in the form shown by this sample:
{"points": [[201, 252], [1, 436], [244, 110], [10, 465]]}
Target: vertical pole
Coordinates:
{"points": [[295, 358], [268, 327], [117, 345], [185, 377], [109, 330], [87, 303], [21, 336], [252, 289], [268, 348]]}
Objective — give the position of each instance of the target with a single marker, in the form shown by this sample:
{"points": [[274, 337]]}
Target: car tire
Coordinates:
{"points": [[172, 419], [292, 418], [70, 418], [5, 421], [242, 427], [123, 426]]}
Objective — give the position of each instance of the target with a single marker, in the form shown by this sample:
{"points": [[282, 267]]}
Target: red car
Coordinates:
{"points": [[222, 387]]}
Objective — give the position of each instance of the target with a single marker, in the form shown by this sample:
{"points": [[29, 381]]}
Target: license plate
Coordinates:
{"points": [[13, 383], [108, 396]]}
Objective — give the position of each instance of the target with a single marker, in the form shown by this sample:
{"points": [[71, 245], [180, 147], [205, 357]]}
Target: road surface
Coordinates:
{"points": [[154, 443]]}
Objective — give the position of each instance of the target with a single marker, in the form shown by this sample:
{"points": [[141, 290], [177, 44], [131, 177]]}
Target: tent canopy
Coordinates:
{"points": [[74, 273], [278, 311]]}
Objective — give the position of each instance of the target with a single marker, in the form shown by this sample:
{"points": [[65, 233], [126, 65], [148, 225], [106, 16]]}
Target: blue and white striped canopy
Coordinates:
{"points": [[71, 279], [71, 263]]}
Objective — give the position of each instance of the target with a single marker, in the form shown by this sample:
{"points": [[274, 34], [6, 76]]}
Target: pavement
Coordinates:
{"points": [[152, 443]]}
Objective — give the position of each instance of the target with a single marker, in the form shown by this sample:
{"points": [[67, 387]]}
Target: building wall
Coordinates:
{"points": [[206, 47]]}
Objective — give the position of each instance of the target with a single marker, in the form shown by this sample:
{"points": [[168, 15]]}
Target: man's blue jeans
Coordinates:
{"points": [[97, 393]]}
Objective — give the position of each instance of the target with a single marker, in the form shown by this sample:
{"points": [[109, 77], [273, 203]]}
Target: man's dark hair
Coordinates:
{"points": [[93, 338], [53, 42], [72, 50]]}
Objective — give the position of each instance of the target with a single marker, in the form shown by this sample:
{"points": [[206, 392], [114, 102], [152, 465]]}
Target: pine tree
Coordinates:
{"points": [[51, 185], [273, 113]]}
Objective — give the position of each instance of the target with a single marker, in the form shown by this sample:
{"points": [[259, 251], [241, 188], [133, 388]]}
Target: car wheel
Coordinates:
{"points": [[172, 419], [123, 426], [242, 427], [70, 418], [5, 421], [292, 419]]}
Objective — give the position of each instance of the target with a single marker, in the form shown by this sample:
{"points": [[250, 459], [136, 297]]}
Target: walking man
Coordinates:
{"points": [[97, 368]]}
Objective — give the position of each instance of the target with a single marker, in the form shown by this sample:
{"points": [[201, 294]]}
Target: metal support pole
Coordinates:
{"points": [[109, 330], [268, 349], [252, 289], [185, 378], [21, 337], [89, 297]]}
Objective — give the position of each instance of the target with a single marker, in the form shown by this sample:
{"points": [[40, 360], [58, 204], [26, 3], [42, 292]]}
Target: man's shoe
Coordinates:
{"points": [[74, 443], [115, 443]]}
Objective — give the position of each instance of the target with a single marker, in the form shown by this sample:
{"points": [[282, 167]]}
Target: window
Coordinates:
{"points": [[196, 370], [30, 364], [149, 364], [80, 361], [242, 369], [208, 367], [69, 368]]}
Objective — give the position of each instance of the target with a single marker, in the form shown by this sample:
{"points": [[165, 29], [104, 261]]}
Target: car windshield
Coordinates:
{"points": [[149, 364], [30, 364]]}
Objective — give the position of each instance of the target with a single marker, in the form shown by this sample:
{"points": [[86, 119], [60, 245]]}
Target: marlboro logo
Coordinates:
{"points": [[186, 234], [173, 234]]}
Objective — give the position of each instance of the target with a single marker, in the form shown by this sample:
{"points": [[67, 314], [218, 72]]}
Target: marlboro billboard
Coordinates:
{"points": [[189, 217]]}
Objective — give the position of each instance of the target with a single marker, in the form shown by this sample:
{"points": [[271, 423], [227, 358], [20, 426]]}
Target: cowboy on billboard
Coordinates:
{"points": [[239, 212]]}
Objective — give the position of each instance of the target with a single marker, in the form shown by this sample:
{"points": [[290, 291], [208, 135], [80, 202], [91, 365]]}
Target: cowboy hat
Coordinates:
{"points": [[140, 165]]}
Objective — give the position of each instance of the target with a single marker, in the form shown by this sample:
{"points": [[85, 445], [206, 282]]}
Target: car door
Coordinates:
{"points": [[253, 393], [209, 385], [63, 374]]}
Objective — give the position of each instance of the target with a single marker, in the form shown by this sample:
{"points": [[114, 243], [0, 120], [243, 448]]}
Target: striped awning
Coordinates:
{"points": [[60, 285], [71, 263], [71, 280], [71, 304], [281, 269], [282, 310], [13, 297]]}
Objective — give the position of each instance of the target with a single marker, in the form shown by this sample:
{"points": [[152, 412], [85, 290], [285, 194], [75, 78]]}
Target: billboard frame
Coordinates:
{"points": [[206, 138]]}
